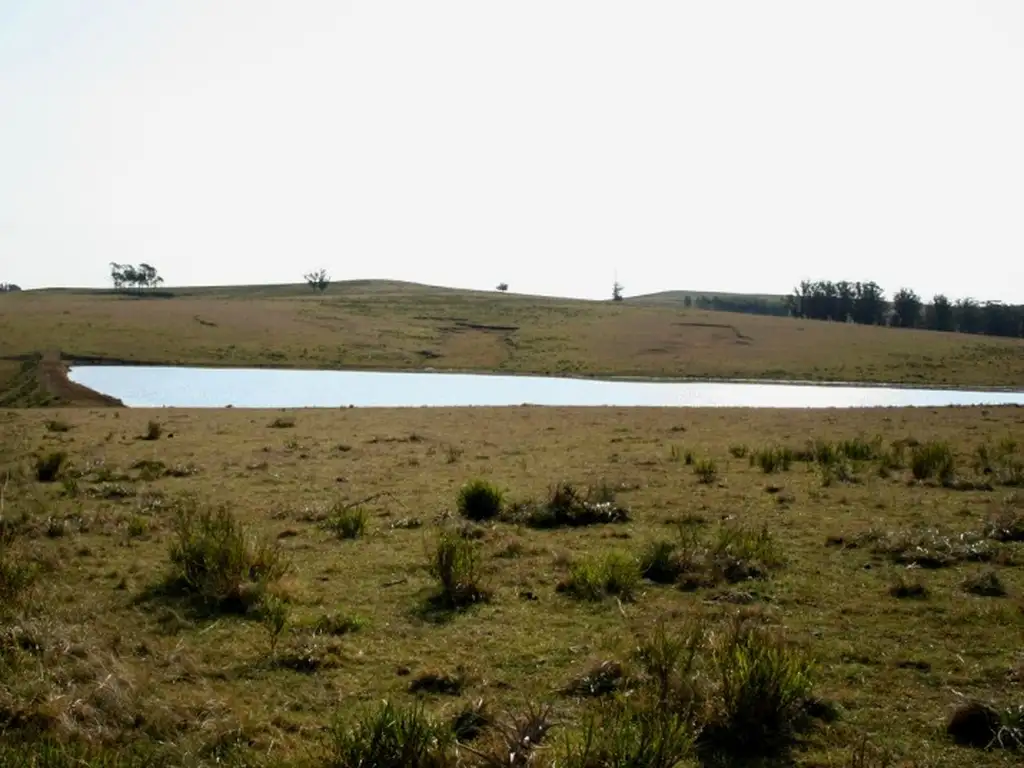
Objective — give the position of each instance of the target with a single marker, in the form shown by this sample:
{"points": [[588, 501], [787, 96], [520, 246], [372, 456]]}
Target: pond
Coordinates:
{"points": [[180, 387]]}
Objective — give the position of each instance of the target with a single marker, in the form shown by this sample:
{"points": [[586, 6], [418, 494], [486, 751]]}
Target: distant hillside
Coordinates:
{"points": [[748, 303]]}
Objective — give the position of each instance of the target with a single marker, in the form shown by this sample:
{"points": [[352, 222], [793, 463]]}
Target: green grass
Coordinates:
{"points": [[479, 500]]}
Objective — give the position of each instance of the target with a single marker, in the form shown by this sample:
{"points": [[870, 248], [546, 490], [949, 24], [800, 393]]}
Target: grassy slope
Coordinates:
{"points": [[895, 666], [386, 325]]}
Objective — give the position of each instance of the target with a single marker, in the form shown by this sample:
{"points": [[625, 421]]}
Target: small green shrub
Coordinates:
{"points": [[706, 471], [153, 431], [660, 562], [933, 459], [861, 449], [593, 579], [137, 526], [346, 522], [669, 661], [479, 500], [215, 561], [455, 564], [390, 737], [762, 687], [282, 422], [275, 614], [48, 467]]}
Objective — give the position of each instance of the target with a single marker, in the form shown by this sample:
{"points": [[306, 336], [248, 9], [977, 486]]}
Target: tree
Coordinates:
{"points": [[868, 304], [906, 308], [318, 280], [939, 314], [617, 291], [968, 316], [503, 287], [687, 302], [9, 288], [138, 277]]}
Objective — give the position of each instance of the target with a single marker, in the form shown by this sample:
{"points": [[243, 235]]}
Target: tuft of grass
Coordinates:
{"points": [[338, 624], [933, 459], [55, 425], [439, 683], [153, 431], [471, 721], [282, 422], [455, 564], [861, 449], [603, 679], [593, 579], [1008, 523], [346, 522], [775, 458], [706, 471], [738, 451], [660, 562], [215, 561], [838, 471], [985, 584], [621, 736], [48, 468], [390, 737], [17, 575], [762, 687], [479, 500], [903, 588], [275, 614]]}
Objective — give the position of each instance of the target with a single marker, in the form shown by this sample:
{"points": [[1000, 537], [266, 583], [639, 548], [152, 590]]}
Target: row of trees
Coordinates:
{"points": [[137, 277], [865, 303], [9, 288]]}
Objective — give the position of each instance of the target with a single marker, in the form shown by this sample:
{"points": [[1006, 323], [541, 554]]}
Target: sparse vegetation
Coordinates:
{"points": [[346, 521], [706, 471], [593, 579], [567, 506], [933, 460], [774, 458], [282, 422], [154, 430], [48, 467], [455, 564]]}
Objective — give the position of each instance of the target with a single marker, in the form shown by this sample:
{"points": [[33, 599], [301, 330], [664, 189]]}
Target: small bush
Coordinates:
{"points": [[471, 721], [275, 615], [346, 522], [568, 507], [153, 431], [593, 579], [933, 459], [455, 564], [838, 471], [479, 500], [669, 661], [55, 425], [391, 738], [975, 724], [282, 423], [214, 560], [602, 679], [439, 683], [762, 687], [985, 584], [48, 467], [861, 449], [706, 471]]}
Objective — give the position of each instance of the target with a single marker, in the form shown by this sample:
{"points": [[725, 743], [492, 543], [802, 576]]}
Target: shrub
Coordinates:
{"points": [[216, 562], [275, 614], [346, 522], [706, 471], [933, 459], [861, 449], [762, 687], [479, 500], [1008, 523], [472, 720], [153, 431], [55, 425], [441, 683], [838, 471], [593, 579], [975, 724], [391, 737], [568, 507], [48, 467], [669, 661], [456, 566], [282, 423]]}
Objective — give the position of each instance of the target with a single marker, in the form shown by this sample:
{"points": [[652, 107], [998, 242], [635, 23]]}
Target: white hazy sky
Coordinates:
{"points": [[713, 145]]}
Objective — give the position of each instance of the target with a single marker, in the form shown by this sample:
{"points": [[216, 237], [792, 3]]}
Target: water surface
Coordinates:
{"points": [[182, 387]]}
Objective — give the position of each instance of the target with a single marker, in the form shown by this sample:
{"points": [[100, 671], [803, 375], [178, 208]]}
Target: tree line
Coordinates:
{"points": [[865, 303], [9, 288], [132, 276]]}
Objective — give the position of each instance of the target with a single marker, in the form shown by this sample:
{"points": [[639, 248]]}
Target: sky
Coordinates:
{"points": [[555, 145]]}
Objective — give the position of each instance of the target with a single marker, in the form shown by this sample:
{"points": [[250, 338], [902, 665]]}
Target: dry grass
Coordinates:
{"points": [[385, 325], [95, 662]]}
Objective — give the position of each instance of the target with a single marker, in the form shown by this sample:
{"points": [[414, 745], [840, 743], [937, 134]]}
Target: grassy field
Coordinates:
{"points": [[892, 567], [382, 325]]}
